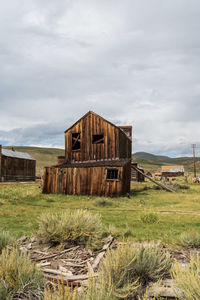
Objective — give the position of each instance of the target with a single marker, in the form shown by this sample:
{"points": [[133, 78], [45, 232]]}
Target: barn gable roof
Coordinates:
{"points": [[16, 154], [91, 112]]}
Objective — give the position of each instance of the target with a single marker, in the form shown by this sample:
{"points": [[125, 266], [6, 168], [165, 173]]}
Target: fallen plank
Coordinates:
{"points": [[165, 289], [164, 187], [63, 276], [101, 254], [55, 254]]}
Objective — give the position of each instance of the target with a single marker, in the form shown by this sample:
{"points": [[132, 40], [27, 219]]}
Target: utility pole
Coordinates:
{"points": [[194, 160]]}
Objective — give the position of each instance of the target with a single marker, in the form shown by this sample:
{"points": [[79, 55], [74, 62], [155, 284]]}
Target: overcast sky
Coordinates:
{"points": [[135, 62]]}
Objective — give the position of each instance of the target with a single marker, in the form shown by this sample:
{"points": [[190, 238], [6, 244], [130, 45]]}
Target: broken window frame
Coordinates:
{"points": [[98, 139], [76, 141]]}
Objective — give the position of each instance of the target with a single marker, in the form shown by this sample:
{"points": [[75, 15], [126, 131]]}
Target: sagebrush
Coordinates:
{"points": [[19, 278], [187, 279], [77, 227], [190, 239], [149, 218], [123, 274], [6, 239]]}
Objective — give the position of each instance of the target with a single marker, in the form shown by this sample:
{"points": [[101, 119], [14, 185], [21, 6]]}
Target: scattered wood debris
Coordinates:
{"points": [[71, 266]]}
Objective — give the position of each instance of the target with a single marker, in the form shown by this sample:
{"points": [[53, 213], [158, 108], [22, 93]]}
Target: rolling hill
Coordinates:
{"points": [[150, 162], [153, 162]]}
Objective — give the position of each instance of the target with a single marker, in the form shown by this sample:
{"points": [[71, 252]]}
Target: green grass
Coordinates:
{"points": [[22, 204]]}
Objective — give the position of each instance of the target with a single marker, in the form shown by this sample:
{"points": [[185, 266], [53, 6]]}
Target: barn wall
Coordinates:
{"points": [[125, 146], [17, 169], [87, 126], [0, 160], [172, 174], [126, 178], [85, 181]]}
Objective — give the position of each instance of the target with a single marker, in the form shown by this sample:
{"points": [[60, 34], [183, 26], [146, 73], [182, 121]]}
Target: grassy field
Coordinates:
{"points": [[22, 203]]}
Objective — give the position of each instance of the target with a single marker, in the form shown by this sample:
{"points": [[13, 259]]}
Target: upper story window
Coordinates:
{"points": [[98, 139], [76, 141]]}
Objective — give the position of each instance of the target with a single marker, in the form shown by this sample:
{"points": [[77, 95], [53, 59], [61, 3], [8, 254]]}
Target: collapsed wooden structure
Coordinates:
{"points": [[97, 160], [16, 166]]}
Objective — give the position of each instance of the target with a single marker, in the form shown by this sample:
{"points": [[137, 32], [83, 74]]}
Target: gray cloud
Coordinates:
{"points": [[134, 62]]}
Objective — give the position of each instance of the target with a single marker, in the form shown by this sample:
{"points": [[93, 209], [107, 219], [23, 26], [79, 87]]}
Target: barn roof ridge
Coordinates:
{"points": [[91, 112]]}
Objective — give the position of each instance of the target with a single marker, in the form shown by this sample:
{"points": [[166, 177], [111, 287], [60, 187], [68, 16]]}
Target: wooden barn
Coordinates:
{"points": [[16, 166], [172, 171], [97, 160]]}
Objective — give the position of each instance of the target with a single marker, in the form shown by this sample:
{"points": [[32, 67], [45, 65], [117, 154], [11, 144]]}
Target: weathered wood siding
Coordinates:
{"points": [[17, 169], [116, 144], [0, 161], [86, 181]]}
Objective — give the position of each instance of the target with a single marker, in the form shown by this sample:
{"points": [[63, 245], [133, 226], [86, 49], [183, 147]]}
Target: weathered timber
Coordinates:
{"points": [[165, 289], [96, 162], [69, 278], [16, 166], [88, 178], [101, 254], [151, 179]]}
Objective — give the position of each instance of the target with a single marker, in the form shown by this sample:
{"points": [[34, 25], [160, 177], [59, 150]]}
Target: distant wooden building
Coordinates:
{"points": [[135, 175], [172, 171], [16, 166], [97, 160]]}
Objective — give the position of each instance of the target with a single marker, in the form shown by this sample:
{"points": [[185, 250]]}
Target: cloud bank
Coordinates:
{"points": [[133, 62]]}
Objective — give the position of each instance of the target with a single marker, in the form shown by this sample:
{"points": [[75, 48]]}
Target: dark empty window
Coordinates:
{"points": [[98, 139], [76, 141], [112, 173]]}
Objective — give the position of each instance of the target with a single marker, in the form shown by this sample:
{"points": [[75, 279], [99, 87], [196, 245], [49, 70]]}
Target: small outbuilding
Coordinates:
{"points": [[172, 171], [135, 175], [97, 160], [16, 166]]}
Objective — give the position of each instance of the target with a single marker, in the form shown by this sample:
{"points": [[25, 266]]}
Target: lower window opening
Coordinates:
{"points": [[112, 174]]}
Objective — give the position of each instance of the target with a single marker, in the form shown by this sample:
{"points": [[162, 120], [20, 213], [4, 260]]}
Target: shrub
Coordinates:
{"points": [[149, 218], [124, 274], [6, 239], [103, 202], [112, 230], [178, 186], [190, 239], [116, 279], [19, 279], [156, 187], [127, 232], [151, 264], [78, 227], [187, 280]]}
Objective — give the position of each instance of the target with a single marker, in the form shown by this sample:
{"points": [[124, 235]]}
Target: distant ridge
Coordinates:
{"points": [[149, 155], [154, 162], [150, 162]]}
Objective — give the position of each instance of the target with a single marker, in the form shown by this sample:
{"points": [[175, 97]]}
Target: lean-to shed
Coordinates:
{"points": [[97, 160], [16, 166]]}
